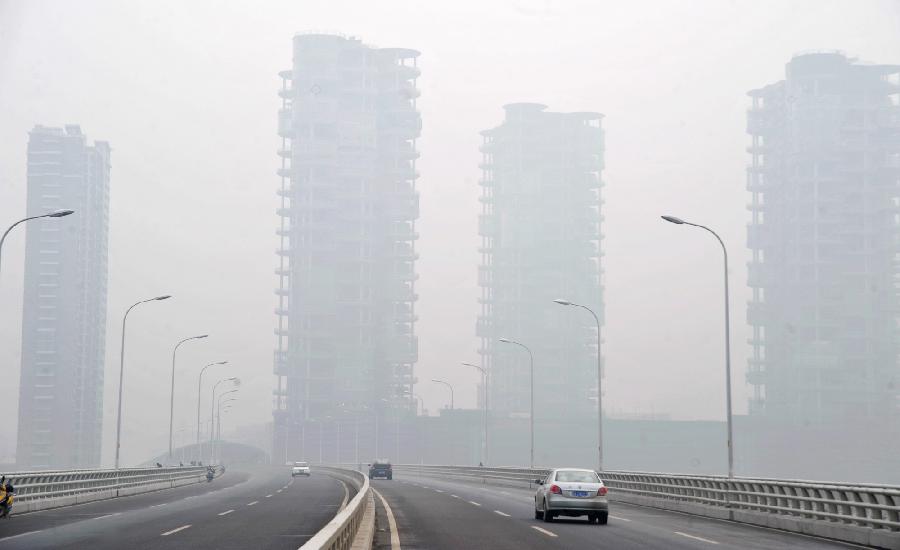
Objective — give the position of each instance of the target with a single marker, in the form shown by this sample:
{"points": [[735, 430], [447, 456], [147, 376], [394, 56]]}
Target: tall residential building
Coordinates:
{"points": [[345, 336], [64, 318], [540, 231], [824, 236]]}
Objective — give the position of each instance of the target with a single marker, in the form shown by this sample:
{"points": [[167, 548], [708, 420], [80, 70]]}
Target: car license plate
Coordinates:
{"points": [[580, 493]]}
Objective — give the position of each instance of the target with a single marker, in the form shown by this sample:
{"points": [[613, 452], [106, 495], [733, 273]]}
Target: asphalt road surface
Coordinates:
{"points": [[257, 509], [435, 514]]}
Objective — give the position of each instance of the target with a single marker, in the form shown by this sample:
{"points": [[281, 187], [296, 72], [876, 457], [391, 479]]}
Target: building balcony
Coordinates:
{"points": [[282, 292], [281, 312]]}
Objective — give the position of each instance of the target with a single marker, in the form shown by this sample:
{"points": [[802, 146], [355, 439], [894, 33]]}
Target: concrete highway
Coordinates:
{"points": [[437, 514], [258, 509]]}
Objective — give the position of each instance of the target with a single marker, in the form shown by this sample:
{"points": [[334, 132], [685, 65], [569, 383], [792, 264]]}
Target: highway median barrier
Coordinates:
{"points": [[352, 528]]}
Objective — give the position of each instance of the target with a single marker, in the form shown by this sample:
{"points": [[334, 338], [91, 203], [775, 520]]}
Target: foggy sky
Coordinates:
{"points": [[186, 95]]}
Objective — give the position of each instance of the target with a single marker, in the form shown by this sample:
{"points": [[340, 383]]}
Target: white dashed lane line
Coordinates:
{"points": [[455, 496], [474, 503], [268, 496], [226, 512], [173, 531], [544, 531], [620, 518], [252, 503], [498, 512], [438, 491], [695, 537]]}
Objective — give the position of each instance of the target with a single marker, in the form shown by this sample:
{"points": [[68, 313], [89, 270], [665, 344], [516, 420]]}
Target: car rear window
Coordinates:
{"points": [[577, 477]]}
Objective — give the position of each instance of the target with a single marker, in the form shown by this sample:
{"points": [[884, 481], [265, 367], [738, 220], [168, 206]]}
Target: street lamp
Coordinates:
{"points": [[212, 405], [484, 449], [449, 386], [599, 380], [122, 361], [57, 214], [679, 221], [531, 413], [172, 394], [199, 389]]}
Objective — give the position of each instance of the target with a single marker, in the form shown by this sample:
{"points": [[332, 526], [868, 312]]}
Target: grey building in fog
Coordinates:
{"points": [[824, 237], [64, 317], [540, 232], [345, 341]]}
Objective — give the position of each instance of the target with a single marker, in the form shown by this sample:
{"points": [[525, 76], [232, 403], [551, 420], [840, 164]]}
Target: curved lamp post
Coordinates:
{"points": [[679, 221], [450, 386], [531, 413], [57, 214], [599, 381], [199, 389], [172, 393], [122, 372]]}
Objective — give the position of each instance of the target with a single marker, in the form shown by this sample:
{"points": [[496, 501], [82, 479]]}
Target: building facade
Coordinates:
{"points": [[824, 235], [540, 231], [345, 340], [64, 316]]}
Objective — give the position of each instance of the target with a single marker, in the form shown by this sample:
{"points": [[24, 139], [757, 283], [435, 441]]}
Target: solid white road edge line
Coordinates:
{"points": [[695, 538], [620, 518], [544, 531], [20, 535], [392, 523], [226, 512], [173, 531], [346, 496]]}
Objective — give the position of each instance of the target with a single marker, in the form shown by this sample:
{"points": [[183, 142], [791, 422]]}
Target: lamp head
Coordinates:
{"points": [[60, 213], [673, 219], [506, 340], [166, 297], [563, 302]]}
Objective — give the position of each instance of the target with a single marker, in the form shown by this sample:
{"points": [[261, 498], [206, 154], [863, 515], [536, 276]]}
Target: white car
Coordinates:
{"points": [[300, 469], [571, 492]]}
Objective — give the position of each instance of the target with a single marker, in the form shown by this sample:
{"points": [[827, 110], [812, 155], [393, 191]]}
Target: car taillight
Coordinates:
{"points": [[601, 492], [555, 490]]}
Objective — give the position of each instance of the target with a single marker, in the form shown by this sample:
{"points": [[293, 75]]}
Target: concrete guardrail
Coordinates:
{"points": [[354, 526], [858, 513]]}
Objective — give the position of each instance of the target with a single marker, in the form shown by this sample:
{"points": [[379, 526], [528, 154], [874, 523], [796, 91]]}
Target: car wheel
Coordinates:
{"points": [[603, 518], [537, 513], [548, 515]]}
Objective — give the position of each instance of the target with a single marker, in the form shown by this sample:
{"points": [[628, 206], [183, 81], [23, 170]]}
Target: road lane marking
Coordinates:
{"points": [[268, 496], [20, 535], [455, 496], [173, 531], [346, 496], [695, 538], [279, 490], [498, 512], [252, 503], [438, 491], [473, 502], [392, 523], [544, 531], [164, 503], [620, 518], [226, 512], [108, 515]]}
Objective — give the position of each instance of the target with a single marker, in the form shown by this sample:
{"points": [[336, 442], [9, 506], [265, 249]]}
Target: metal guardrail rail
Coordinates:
{"points": [[861, 513], [342, 531], [45, 490]]}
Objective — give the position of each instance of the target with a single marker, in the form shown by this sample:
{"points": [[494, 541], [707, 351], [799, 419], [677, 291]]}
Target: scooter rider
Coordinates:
{"points": [[7, 492]]}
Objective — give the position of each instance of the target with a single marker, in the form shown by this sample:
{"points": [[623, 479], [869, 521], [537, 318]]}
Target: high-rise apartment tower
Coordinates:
{"points": [[540, 231], [345, 336], [825, 184], [64, 317]]}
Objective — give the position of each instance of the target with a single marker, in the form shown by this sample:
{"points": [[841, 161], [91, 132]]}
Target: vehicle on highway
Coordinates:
{"points": [[381, 468], [571, 492], [300, 469], [210, 473], [7, 495]]}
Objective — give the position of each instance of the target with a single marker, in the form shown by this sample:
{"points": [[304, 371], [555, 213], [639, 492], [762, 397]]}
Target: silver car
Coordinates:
{"points": [[571, 492]]}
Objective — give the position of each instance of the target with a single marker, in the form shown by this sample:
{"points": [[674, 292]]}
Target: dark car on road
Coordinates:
{"points": [[381, 468]]}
